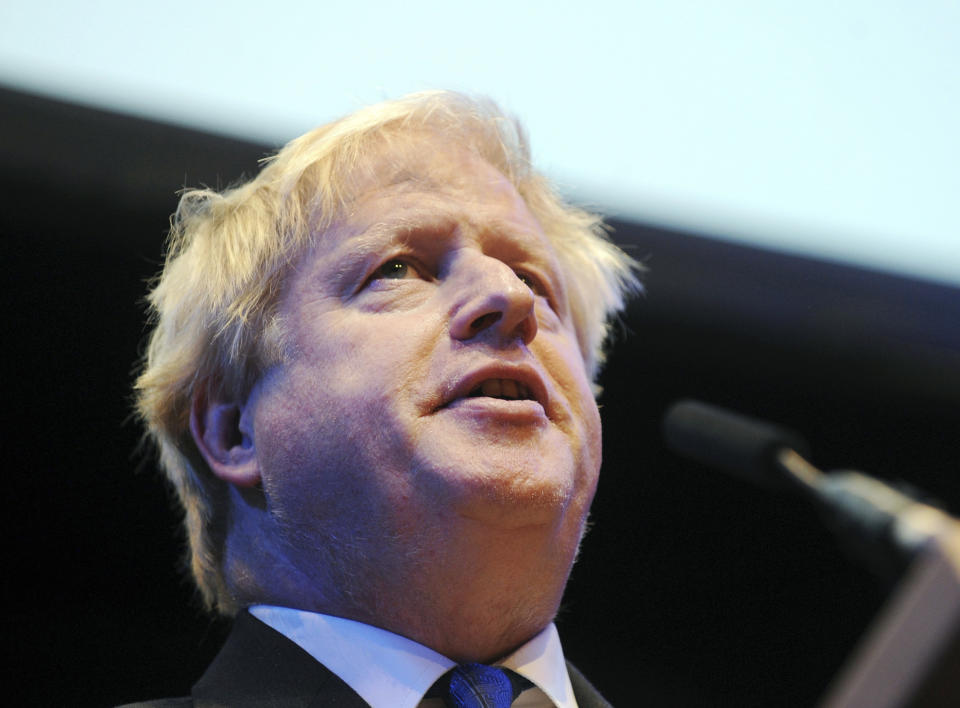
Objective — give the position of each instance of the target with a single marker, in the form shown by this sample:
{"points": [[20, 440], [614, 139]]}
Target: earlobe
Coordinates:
{"points": [[224, 437]]}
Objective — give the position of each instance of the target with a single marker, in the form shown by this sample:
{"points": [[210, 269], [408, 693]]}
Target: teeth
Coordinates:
{"points": [[492, 388], [504, 388]]}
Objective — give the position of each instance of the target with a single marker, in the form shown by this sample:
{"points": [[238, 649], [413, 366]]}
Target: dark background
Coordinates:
{"points": [[704, 589]]}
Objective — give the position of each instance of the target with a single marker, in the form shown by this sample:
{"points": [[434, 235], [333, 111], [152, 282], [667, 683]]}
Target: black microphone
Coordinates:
{"points": [[881, 525], [717, 437]]}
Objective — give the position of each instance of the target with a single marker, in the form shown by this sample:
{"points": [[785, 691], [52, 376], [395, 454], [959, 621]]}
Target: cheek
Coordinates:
{"points": [[566, 366], [313, 478], [287, 427], [321, 428], [593, 448]]}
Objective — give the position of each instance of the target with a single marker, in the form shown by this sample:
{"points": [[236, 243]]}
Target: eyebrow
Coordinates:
{"points": [[517, 241], [369, 243], [360, 248]]}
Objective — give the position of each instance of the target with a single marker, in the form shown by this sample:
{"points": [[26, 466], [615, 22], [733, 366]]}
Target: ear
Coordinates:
{"points": [[223, 433]]}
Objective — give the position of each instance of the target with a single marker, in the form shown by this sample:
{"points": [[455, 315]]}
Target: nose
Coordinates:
{"points": [[492, 300]]}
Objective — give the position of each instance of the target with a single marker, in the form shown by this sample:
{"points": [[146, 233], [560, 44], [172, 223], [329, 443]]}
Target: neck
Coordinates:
{"points": [[478, 601], [475, 595]]}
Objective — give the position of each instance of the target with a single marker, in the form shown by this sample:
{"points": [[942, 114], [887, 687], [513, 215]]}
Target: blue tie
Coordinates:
{"points": [[482, 686]]}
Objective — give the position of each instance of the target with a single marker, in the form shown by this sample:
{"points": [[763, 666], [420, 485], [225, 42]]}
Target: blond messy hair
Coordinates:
{"points": [[214, 305]]}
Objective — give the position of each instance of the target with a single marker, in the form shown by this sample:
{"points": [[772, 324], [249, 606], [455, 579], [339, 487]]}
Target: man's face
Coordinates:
{"points": [[434, 381]]}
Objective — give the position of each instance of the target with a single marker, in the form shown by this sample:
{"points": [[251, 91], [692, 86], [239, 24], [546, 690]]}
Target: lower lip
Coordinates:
{"points": [[521, 411]]}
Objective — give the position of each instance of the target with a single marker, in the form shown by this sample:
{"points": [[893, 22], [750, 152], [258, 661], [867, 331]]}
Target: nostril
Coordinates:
{"points": [[485, 321]]}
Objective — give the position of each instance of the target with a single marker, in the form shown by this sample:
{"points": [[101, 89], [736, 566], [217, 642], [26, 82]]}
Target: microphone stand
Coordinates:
{"points": [[910, 655]]}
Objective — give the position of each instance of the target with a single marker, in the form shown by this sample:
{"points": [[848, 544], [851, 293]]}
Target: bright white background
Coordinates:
{"points": [[823, 126]]}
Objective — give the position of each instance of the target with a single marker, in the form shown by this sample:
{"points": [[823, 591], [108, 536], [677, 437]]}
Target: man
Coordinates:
{"points": [[370, 383]]}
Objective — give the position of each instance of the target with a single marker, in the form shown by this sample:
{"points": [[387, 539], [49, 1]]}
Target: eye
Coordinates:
{"points": [[394, 269], [401, 268], [540, 287], [532, 282]]}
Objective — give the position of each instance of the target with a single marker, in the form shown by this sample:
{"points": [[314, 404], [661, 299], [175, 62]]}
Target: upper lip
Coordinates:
{"points": [[521, 373]]}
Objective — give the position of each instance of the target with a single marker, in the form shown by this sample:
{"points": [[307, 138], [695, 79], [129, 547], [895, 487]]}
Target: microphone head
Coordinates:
{"points": [[736, 443]]}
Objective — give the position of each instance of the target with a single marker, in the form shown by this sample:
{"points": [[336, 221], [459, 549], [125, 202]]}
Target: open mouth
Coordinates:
{"points": [[501, 382], [504, 389]]}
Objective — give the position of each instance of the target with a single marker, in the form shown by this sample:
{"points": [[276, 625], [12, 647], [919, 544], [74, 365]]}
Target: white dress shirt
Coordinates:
{"points": [[390, 671]]}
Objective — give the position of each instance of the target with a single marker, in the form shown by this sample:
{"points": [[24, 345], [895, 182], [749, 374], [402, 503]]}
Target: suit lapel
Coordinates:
{"points": [[587, 696], [258, 666]]}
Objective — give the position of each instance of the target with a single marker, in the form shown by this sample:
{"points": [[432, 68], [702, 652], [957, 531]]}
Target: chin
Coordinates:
{"points": [[513, 489]]}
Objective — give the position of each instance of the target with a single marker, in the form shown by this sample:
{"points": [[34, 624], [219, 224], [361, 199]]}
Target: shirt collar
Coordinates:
{"points": [[541, 661], [386, 669]]}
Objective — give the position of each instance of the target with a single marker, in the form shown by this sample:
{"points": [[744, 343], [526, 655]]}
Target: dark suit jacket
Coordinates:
{"points": [[259, 667]]}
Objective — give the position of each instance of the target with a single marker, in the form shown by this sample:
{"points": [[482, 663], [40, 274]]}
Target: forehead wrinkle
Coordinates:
{"points": [[404, 180], [410, 199], [413, 179]]}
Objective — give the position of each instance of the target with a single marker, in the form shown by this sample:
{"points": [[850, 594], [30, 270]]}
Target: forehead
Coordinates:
{"points": [[429, 160], [424, 183]]}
